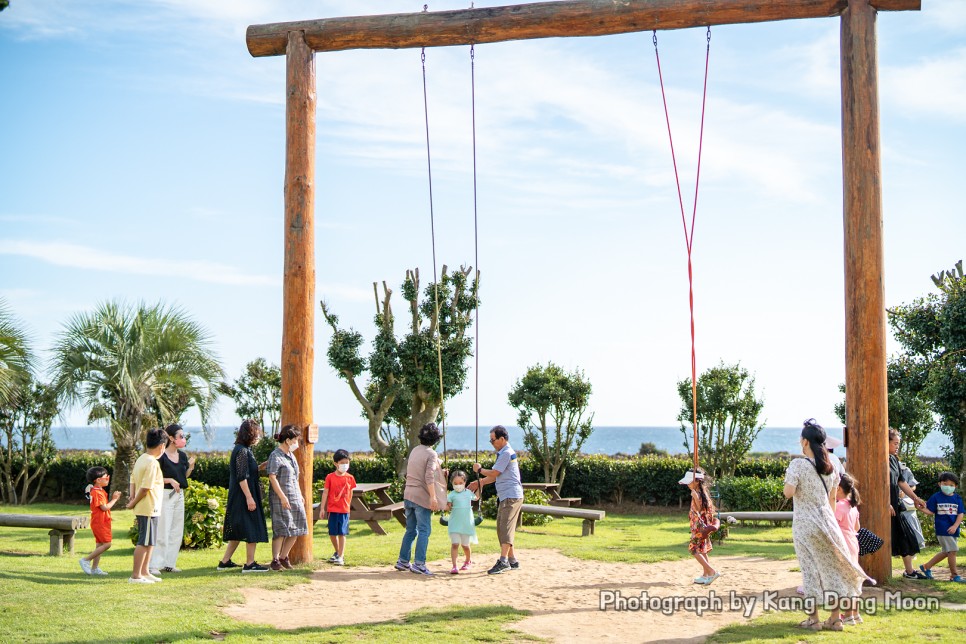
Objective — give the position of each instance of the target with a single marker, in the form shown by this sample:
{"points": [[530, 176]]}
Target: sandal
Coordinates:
{"points": [[811, 624], [833, 624]]}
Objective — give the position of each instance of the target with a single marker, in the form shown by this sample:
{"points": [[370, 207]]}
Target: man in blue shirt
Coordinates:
{"points": [[509, 493]]}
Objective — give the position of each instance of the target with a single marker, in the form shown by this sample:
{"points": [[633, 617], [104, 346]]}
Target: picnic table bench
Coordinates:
{"points": [[61, 528], [553, 491], [589, 516], [359, 510]]}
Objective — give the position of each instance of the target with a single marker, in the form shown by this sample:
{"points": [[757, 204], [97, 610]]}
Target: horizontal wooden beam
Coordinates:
{"points": [[562, 19]]}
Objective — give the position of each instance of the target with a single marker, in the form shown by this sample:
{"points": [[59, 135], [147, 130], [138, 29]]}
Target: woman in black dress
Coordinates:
{"points": [[904, 543], [244, 518]]}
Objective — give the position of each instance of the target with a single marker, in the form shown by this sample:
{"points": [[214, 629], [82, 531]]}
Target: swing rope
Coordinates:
{"points": [[476, 289], [688, 233], [432, 226]]}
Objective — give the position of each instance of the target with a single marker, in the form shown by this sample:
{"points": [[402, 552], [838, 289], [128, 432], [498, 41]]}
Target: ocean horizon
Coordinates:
{"points": [[609, 440]]}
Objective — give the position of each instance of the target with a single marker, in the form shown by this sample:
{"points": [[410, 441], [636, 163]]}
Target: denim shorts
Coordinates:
{"points": [[338, 523]]}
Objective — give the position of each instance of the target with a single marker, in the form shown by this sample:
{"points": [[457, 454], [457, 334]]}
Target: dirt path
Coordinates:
{"points": [[563, 595]]}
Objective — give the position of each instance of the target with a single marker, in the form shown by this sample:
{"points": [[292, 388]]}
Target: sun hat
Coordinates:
{"points": [[689, 476], [831, 442]]}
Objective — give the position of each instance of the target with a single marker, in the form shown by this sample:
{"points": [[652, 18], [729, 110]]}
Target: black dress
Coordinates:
{"points": [[240, 524], [904, 542]]}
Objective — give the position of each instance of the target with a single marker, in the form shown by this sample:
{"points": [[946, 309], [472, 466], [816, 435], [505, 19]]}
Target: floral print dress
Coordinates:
{"points": [[823, 556], [699, 544]]}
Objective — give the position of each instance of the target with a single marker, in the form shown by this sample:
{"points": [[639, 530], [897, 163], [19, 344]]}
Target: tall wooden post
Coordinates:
{"points": [[867, 408], [298, 316]]}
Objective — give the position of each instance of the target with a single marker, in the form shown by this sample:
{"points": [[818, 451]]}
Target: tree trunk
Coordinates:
{"points": [[124, 457], [422, 414]]}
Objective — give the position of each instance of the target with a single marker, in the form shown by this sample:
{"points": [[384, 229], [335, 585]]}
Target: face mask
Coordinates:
{"points": [[948, 489], [293, 446], [459, 488], [343, 467]]}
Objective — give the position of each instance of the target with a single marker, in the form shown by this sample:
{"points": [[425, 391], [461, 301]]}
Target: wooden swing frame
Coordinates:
{"points": [[865, 321]]}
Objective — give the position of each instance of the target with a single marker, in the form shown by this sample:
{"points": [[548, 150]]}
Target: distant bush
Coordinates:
{"points": [[650, 449], [750, 494]]}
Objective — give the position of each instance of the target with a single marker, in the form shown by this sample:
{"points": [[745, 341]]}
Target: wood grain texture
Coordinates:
{"points": [[298, 315], [537, 20], [867, 407]]}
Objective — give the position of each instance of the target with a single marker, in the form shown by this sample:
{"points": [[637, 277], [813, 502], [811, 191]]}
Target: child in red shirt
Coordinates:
{"points": [[336, 500], [100, 519]]}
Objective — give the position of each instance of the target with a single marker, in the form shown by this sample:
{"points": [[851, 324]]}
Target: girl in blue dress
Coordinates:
{"points": [[462, 530]]}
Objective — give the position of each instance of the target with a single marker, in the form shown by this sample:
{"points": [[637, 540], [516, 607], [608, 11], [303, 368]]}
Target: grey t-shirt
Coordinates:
{"points": [[508, 483]]}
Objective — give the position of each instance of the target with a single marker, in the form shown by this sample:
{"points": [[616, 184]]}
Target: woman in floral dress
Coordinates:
{"points": [[822, 554]]}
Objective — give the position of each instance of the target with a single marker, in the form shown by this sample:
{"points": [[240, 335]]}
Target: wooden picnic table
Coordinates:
{"points": [[372, 515], [553, 491]]}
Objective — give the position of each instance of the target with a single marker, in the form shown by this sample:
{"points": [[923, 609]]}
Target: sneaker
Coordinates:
{"points": [[402, 565], [139, 580], [154, 578], [498, 567], [958, 579], [339, 561], [514, 565], [335, 555], [927, 573], [170, 569], [227, 565], [701, 580], [915, 574], [275, 565], [711, 578], [466, 565], [100, 573], [254, 567], [154, 571], [85, 566], [420, 569], [286, 563], [454, 571]]}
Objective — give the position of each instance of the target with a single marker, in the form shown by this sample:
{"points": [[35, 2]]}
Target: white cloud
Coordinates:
{"points": [[84, 257], [933, 86]]}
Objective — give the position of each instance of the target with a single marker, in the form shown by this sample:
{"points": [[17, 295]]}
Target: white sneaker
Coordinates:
{"points": [[139, 580], [85, 566], [154, 571], [153, 578], [339, 561], [100, 573]]}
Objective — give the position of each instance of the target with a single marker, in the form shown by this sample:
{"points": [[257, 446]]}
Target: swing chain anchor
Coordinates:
{"points": [[654, 38]]}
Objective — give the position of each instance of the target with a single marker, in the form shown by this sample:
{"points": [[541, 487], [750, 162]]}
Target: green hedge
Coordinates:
{"points": [[750, 494], [650, 480]]}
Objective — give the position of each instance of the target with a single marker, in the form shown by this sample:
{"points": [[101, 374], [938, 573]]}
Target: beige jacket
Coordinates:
{"points": [[422, 472]]}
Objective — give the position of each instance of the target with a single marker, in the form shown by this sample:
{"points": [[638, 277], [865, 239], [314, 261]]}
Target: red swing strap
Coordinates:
{"points": [[688, 233]]}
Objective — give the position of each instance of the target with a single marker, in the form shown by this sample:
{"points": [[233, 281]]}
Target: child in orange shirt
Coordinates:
{"points": [[336, 501], [100, 519]]}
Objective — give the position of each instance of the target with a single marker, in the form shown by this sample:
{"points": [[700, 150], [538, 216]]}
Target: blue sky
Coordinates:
{"points": [[143, 151]]}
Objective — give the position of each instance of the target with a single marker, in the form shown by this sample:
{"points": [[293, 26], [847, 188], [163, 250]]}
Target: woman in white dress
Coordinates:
{"points": [[827, 569]]}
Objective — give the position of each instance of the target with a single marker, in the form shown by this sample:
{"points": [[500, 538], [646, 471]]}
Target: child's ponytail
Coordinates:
{"points": [[850, 488]]}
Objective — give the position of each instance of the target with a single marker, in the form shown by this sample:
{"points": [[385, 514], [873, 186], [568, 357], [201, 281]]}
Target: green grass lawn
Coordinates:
{"points": [[46, 598]]}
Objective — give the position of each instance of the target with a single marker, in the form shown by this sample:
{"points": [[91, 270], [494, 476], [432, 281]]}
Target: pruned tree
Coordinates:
{"points": [[16, 359], [26, 444], [909, 409], [257, 393], [551, 404], [728, 411], [932, 333], [403, 374]]}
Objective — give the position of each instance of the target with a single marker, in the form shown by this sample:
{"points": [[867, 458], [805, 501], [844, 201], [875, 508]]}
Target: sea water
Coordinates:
{"points": [[604, 440]]}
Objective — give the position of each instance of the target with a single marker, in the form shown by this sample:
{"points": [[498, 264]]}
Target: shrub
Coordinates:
{"points": [[532, 497], [747, 493], [649, 449], [204, 515]]}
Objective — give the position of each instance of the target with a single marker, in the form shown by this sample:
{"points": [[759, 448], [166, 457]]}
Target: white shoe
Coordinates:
{"points": [[339, 561], [139, 580], [85, 566], [154, 571], [100, 573], [153, 578]]}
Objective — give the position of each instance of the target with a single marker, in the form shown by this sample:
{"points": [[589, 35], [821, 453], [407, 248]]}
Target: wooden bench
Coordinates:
{"points": [[589, 516], [61, 528], [756, 516]]}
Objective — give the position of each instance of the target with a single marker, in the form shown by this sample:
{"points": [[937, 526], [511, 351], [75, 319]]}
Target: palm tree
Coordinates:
{"points": [[135, 367], [16, 360]]}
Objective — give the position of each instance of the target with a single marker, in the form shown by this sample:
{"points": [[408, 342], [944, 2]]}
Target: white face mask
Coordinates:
{"points": [[459, 488], [343, 467]]}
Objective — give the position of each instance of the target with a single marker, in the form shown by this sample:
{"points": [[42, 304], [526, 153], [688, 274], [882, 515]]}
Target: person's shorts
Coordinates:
{"points": [[458, 539], [102, 533], [507, 514], [338, 523], [147, 530], [947, 543]]}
